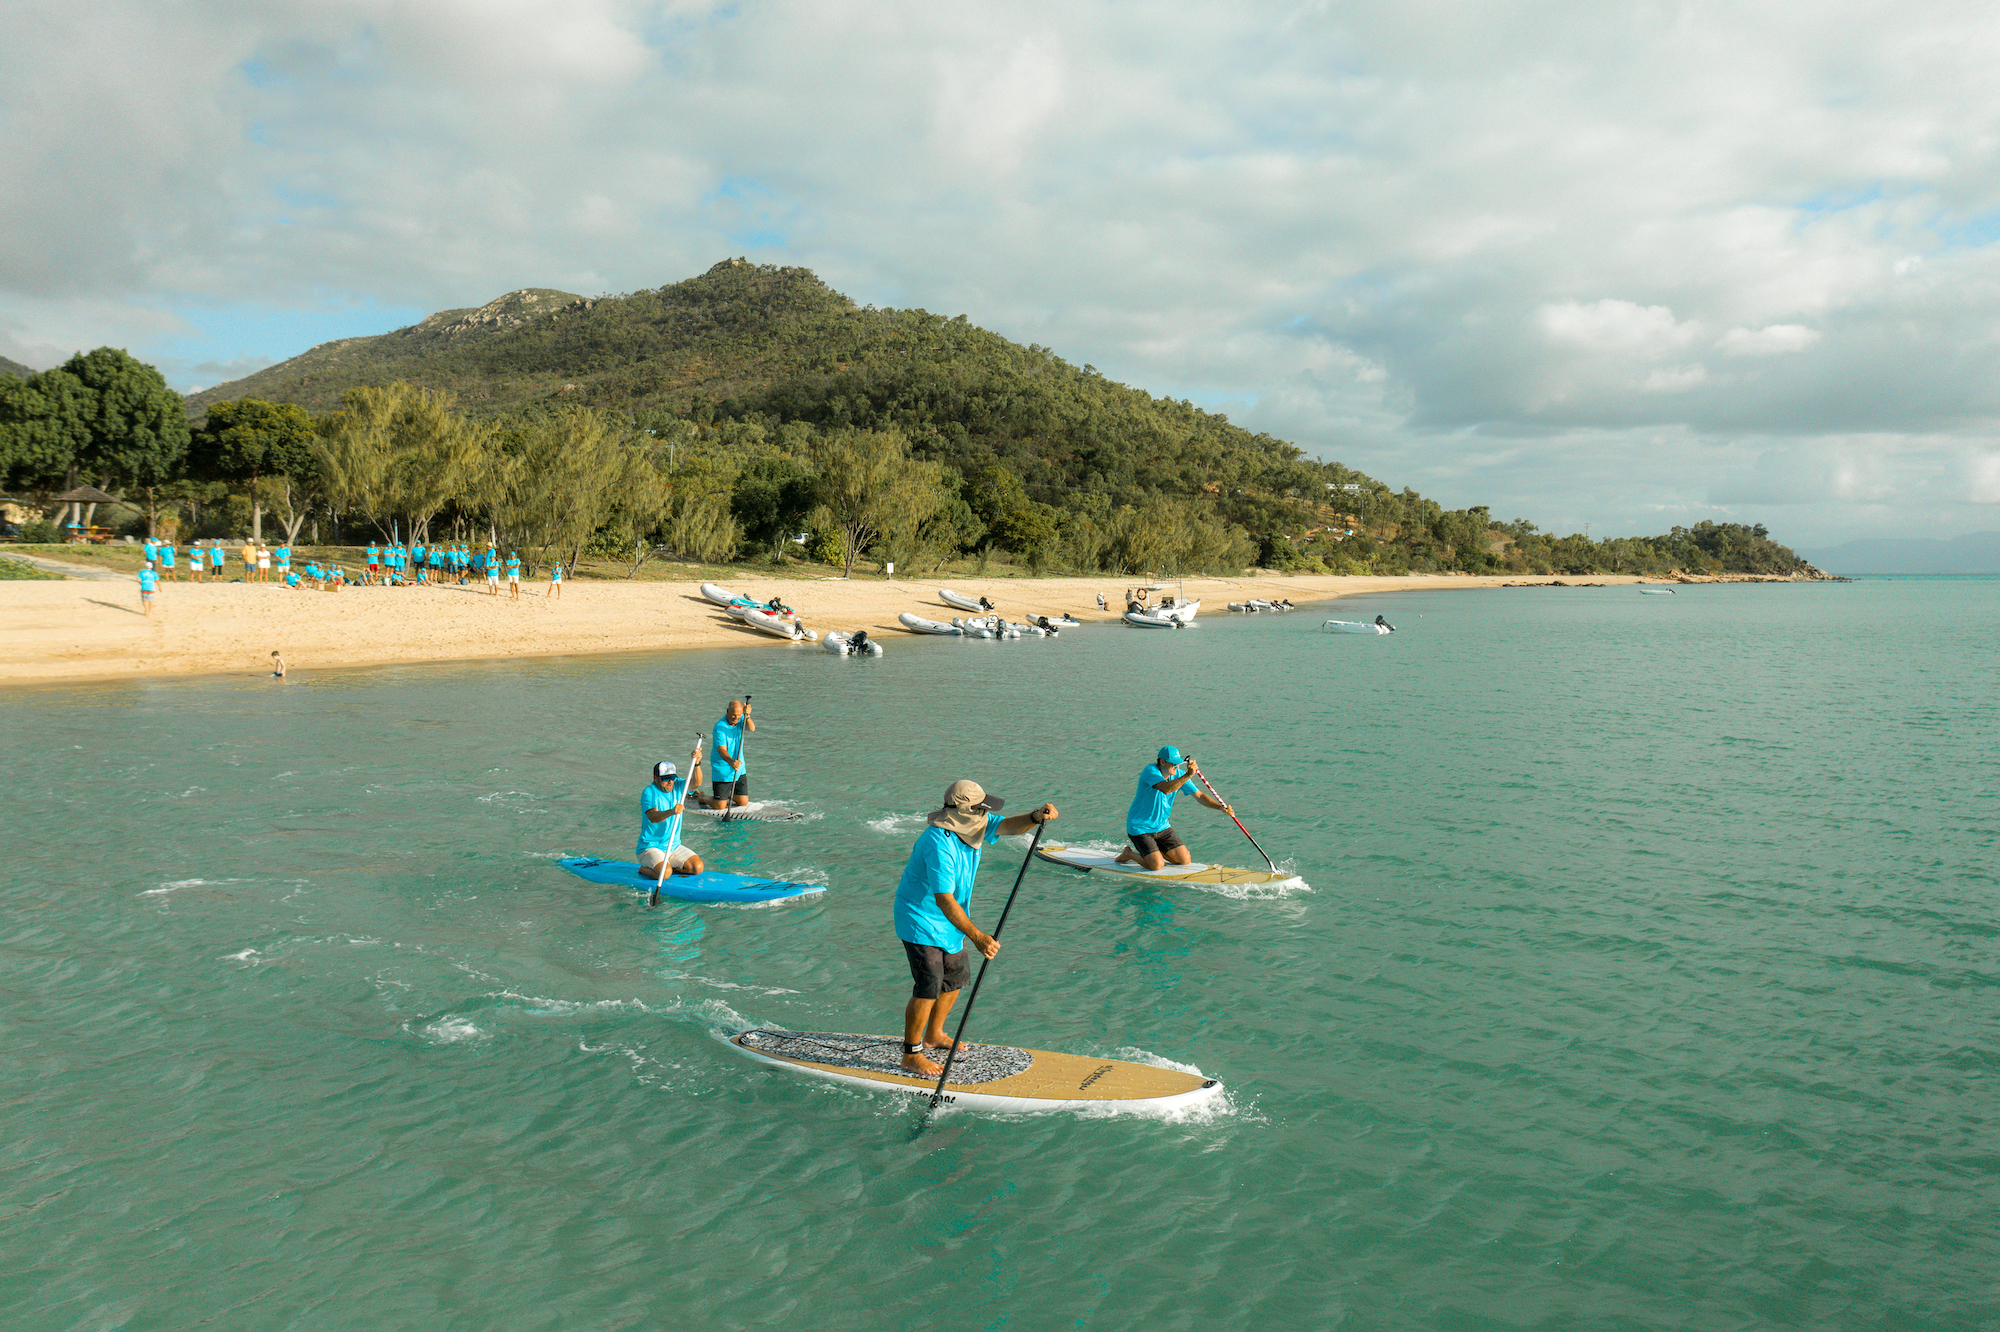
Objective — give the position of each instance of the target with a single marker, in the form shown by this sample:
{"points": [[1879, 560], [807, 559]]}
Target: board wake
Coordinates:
{"points": [[710, 886], [998, 1077], [1106, 862]]}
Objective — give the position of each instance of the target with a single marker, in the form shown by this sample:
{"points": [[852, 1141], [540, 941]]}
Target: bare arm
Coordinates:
{"points": [[1020, 823], [953, 912]]}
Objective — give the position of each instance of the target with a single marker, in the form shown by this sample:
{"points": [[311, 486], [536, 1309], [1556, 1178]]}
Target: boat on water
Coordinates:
{"points": [[856, 644], [1354, 627], [917, 624], [1145, 620], [1175, 603], [1056, 621], [1656, 591], [1258, 606]]}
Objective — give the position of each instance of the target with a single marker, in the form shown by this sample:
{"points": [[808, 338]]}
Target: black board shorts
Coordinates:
{"points": [[739, 787], [934, 971], [1163, 841]]}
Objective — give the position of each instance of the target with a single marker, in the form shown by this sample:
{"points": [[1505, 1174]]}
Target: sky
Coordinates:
{"points": [[1626, 265]]}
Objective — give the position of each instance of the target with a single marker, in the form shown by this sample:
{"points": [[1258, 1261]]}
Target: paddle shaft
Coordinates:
{"points": [[972, 995], [665, 870], [1215, 795]]}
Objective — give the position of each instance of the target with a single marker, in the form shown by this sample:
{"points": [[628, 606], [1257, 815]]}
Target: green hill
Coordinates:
{"points": [[14, 368], [746, 360]]}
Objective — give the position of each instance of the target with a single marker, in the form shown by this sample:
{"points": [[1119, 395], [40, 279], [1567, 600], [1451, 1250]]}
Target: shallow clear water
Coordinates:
{"points": [[1646, 978]]}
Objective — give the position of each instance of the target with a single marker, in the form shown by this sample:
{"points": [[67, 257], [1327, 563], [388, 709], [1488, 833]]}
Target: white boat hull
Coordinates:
{"points": [[842, 642], [917, 624], [959, 600], [1145, 621], [1352, 627], [777, 626]]}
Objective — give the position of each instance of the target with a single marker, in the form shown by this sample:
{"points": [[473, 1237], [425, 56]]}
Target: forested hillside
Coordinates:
{"points": [[749, 396]]}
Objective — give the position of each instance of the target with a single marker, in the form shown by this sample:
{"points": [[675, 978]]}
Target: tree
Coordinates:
{"points": [[249, 440], [42, 430], [556, 480], [870, 488], [398, 450], [772, 499]]}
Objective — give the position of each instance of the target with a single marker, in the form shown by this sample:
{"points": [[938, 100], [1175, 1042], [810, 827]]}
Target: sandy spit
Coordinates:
{"points": [[72, 631]]}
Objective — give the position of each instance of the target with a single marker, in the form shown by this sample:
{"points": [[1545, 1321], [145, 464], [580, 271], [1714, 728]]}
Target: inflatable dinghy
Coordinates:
{"points": [[778, 626], [857, 644], [1147, 620], [963, 602], [917, 624]]}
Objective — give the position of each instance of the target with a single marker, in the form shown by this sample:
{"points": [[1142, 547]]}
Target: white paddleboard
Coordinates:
{"points": [[991, 1077], [1106, 862], [757, 811]]}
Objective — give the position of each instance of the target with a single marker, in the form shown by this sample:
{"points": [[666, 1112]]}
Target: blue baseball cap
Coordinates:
{"points": [[1169, 757]]}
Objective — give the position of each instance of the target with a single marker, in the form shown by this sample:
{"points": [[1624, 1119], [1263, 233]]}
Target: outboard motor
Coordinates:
{"points": [[859, 643], [1385, 624], [984, 604]]}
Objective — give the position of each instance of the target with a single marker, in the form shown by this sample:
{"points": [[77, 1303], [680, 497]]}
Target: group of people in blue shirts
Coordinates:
{"points": [[934, 896], [662, 805]]}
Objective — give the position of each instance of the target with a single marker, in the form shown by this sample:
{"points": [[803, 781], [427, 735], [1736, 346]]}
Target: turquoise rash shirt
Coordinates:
{"points": [[940, 862], [666, 834], [731, 736], [1153, 809]]}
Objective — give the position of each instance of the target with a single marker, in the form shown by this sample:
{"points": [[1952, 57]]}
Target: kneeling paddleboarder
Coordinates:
{"points": [[1148, 824], [660, 811], [930, 911]]}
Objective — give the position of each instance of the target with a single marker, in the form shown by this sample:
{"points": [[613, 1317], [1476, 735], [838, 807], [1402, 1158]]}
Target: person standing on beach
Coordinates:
{"points": [[492, 558], [661, 807], [283, 554], [167, 561], [249, 557], [263, 563], [148, 580], [555, 581], [513, 576], [1148, 824], [730, 774], [930, 911]]}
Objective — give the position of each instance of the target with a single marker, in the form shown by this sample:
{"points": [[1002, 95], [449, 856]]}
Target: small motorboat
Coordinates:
{"points": [[778, 626], [917, 624], [963, 602], [1656, 591], [1149, 620], [722, 596], [1055, 621], [1354, 627], [856, 644]]}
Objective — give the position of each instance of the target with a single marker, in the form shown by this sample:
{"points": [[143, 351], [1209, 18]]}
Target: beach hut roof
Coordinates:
{"points": [[87, 495]]}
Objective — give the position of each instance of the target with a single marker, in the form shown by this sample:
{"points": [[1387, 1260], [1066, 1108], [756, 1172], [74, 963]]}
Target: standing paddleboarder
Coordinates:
{"points": [[727, 769], [660, 808], [1155, 844], [931, 900]]}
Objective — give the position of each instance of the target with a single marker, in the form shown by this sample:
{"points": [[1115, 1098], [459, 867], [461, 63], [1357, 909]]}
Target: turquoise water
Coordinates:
{"points": [[1646, 979]]}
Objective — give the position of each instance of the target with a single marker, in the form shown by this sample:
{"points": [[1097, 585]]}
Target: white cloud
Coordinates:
{"points": [[1487, 248], [1774, 340]]}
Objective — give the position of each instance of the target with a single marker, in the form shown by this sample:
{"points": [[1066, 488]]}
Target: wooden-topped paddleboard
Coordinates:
{"points": [[709, 886], [993, 1077], [757, 811], [1085, 858]]}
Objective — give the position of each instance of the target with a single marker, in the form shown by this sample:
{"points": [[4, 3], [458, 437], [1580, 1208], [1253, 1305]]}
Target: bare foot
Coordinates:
{"points": [[917, 1063], [941, 1042]]}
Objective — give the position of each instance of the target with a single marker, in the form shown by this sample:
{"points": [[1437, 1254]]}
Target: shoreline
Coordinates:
{"points": [[75, 632]]}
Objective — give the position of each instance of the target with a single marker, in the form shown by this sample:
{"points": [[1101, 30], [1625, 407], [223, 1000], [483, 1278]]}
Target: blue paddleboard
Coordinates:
{"points": [[711, 886]]}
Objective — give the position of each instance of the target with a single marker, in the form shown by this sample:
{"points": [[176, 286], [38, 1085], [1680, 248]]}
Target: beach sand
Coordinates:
{"points": [[69, 631]]}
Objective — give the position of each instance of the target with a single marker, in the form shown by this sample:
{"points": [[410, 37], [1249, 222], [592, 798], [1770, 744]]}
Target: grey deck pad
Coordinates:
{"points": [[975, 1063]]}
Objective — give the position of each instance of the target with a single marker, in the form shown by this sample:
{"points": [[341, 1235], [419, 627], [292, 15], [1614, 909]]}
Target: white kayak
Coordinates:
{"points": [[1146, 620], [917, 624], [778, 626], [987, 1077], [960, 600], [1089, 859], [1352, 627], [844, 643]]}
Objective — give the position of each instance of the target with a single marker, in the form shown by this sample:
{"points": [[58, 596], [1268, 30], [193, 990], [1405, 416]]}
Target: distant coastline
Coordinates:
{"points": [[76, 632]]}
